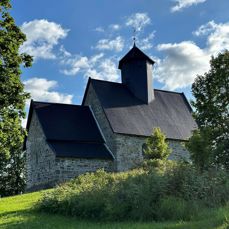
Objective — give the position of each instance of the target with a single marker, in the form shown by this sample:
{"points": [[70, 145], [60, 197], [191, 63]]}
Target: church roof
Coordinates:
{"points": [[128, 115], [70, 130], [133, 54]]}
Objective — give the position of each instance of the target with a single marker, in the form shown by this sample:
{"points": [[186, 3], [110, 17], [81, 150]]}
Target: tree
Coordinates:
{"points": [[199, 146], [211, 92], [156, 147], [12, 100]]}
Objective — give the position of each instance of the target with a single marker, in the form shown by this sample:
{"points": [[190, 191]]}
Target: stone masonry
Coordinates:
{"points": [[92, 101], [40, 158], [127, 149], [45, 170]]}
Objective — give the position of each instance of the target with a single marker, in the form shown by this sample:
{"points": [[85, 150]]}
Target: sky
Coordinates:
{"points": [[73, 40]]}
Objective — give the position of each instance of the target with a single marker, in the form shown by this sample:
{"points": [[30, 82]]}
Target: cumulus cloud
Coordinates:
{"points": [[116, 44], [97, 67], [42, 89], [42, 37], [147, 42], [138, 21], [76, 63], [184, 60], [205, 29], [181, 4], [106, 70], [218, 36]]}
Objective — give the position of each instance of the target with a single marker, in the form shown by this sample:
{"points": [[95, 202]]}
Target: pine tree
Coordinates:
{"points": [[156, 146]]}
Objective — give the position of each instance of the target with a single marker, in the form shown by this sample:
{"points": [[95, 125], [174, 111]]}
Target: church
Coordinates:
{"points": [[108, 130]]}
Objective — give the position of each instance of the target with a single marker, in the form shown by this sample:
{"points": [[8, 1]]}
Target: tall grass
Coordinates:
{"points": [[168, 192]]}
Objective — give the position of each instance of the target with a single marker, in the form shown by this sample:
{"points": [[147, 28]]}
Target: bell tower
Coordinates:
{"points": [[136, 72]]}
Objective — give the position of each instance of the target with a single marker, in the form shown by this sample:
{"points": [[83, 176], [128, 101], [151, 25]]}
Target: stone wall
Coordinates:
{"points": [[40, 159], [92, 100], [127, 149], [45, 170], [179, 151], [130, 151], [67, 168]]}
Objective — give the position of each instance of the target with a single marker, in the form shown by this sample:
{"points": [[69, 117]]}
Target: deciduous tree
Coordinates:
{"points": [[12, 99], [211, 92]]}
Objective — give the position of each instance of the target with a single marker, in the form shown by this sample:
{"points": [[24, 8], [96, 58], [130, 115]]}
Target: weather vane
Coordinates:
{"points": [[134, 35]]}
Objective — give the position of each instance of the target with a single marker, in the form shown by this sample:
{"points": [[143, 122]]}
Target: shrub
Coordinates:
{"points": [[171, 191], [174, 208], [156, 147], [199, 146]]}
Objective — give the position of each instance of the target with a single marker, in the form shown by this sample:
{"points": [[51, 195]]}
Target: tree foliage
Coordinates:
{"points": [[199, 146], [211, 92], [156, 147], [12, 100]]}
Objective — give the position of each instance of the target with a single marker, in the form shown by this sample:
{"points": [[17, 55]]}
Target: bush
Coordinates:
{"points": [[171, 191], [174, 208], [156, 147]]}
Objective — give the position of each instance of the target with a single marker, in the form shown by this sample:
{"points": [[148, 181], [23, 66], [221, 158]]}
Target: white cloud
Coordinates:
{"points": [[64, 53], [41, 89], [138, 21], [99, 29], [94, 59], [184, 60], [218, 39], [97, 67], [42, 37], [115, 27], [106, 70], [146, 43], [205, 29], [181, 4], [116, 44], [75, 64]]}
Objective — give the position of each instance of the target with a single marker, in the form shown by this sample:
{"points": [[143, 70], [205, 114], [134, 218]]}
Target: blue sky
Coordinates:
{"points": [[73, 40]]}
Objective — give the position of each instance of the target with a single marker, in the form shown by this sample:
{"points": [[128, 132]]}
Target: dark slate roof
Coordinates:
{"points": [[134, 53], [67, 122], [71, 130], [80, 149], [128, 115]]}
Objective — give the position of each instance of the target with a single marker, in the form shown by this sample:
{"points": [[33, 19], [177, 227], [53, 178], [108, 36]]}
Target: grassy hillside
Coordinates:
{"points": [[18, 212]]}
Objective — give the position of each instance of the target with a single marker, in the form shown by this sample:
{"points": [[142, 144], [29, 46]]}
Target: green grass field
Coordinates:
{"points": [[17, 212]]}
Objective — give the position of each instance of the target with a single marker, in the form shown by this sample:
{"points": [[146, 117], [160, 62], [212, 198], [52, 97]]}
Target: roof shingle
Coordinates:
{"points": [[70, 130], [128, 115]]}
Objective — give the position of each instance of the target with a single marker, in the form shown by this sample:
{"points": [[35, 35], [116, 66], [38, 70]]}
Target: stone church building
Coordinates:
{"points": [[108, 130]]}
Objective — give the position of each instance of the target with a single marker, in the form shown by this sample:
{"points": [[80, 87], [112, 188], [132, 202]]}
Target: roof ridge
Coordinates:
{"points": [[176, 92], [106, 81], [54, 103]]}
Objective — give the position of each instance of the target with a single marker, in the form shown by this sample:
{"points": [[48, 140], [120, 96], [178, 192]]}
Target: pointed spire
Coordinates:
{"points": [[134, 53]]}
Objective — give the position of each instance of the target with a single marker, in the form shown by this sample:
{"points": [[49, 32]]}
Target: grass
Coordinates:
{"points": [[18, 212]]}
